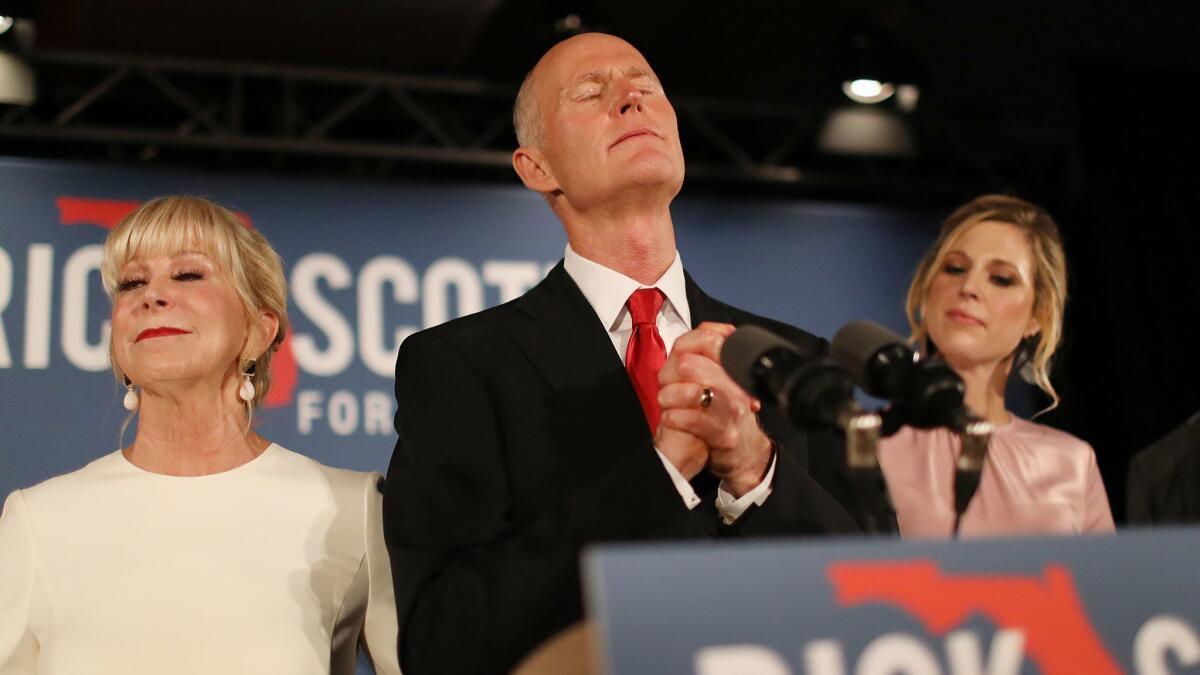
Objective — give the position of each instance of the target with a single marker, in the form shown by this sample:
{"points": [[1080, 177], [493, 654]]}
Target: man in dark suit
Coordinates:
{"points": [[530, 430], [1163, 485]]}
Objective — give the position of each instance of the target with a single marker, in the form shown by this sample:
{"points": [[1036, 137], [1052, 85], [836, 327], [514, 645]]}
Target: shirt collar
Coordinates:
{"points": [[607, 290]]}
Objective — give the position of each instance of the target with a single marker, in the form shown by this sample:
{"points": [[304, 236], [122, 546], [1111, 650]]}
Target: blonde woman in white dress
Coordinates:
{"points": [[201, 547]]}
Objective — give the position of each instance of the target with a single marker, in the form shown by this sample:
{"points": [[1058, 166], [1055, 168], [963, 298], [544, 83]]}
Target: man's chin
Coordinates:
{"points": [[654, 173]]}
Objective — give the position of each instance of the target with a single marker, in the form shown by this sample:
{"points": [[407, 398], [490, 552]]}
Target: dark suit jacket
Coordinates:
{"points": [[1163, 485], [521, 440]]}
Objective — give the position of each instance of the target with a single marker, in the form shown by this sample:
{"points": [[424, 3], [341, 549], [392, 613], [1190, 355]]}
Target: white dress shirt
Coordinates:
{"points": [[607, 291]]}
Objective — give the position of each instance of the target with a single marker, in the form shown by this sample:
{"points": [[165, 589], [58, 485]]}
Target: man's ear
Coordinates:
{"points": [[531, 165]]}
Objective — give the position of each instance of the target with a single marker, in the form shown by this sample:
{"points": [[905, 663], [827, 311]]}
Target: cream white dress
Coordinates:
{"points": [[276, 566]]}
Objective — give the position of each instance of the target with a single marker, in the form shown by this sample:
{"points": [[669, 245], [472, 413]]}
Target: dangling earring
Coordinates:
{"points": [[131, 401], [929, 349], [1024, 359], [246, 391]]}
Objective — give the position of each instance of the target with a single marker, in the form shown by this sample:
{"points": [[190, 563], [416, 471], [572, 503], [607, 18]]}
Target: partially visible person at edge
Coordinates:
{"points": [[201, 547], [1163, 483], [988, 298], [532, 429]]}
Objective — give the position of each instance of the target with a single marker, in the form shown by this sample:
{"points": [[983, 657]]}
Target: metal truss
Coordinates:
{"points": [[156, 103], [139, 107]]}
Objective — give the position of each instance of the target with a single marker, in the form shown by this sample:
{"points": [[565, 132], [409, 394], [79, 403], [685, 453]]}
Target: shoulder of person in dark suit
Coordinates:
{"points": [[1163, 483], [809, 345]]}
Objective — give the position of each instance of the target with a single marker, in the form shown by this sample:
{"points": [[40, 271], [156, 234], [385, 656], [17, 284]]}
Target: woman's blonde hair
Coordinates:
{"points": [[1049, 277], [168, 225]]}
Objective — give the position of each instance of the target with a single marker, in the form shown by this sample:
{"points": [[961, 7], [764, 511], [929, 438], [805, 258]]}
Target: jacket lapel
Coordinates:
{"points": [[702, 307], [562, 337]]}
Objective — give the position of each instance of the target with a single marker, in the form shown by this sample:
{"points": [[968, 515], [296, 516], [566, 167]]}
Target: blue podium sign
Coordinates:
{"points": [[1095, 605]]}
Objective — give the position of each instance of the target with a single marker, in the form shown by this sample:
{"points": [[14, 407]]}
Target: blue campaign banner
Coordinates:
{"points": [[1127, 603], [367, 264]]}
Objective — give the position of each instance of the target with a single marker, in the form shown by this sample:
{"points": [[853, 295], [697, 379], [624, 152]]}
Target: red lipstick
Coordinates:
{"points": [[163, 331]]}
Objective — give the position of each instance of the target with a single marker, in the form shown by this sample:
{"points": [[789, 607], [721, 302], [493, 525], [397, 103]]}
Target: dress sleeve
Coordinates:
{"points": [[1097, 516], [380, 629], [18, 645]]}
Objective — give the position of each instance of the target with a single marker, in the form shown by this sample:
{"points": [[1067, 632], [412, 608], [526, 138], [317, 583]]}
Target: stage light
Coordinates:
{"points": [[569, 24], [907, 96], [17, 83], [16, 80], [6, 22], [866, 131], [873, 67], [866, 90]]}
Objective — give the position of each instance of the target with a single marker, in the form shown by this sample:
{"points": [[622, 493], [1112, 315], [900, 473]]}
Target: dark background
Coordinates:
{"points": [[1079, 106]]}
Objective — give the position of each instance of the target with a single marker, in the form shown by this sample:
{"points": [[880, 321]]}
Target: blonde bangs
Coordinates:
{"points": [[168, 227]]}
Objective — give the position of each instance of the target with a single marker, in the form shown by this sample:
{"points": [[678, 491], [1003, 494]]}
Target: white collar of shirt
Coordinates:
{"points": [[607, 290]]}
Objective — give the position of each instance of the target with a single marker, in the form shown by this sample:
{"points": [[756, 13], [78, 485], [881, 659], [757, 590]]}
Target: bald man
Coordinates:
{"points": [[529, 430]]}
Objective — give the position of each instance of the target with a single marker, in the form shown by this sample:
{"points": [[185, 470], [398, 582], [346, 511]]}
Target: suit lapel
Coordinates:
{"points": [[702, 307], [564, 340], [562, 335]]}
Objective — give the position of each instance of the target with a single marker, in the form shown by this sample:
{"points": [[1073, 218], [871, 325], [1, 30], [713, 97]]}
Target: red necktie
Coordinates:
{"points": [[646, 353]]}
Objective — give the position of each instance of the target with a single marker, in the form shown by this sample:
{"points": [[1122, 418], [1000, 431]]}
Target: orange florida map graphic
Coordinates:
{"points": [[1059, 638]]}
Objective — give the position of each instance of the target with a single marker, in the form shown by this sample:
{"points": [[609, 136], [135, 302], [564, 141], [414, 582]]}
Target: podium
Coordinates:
{"points": [[1124, 603]]}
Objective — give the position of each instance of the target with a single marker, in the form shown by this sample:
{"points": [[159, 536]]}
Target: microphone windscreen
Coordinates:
{"points": [[743, 349], [856, 343]]}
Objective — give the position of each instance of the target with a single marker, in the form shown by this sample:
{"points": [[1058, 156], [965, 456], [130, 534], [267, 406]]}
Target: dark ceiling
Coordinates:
{"points": [[1001, 83], [1010, 59]]}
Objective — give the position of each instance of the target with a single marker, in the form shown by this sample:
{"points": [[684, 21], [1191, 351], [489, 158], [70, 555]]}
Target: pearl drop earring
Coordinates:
{"points": [[131, 401], [246, 391]]}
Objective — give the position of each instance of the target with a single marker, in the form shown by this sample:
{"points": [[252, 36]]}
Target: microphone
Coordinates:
{"points": [[924, 394], [816, 393]]}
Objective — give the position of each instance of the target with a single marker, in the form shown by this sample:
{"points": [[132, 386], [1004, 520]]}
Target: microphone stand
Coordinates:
{"points": [[816, 393], [820, 394], [871, 495], [974, 437]]}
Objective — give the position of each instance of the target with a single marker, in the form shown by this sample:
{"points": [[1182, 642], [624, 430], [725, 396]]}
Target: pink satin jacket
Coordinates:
{"points": [[1036, 480]]}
